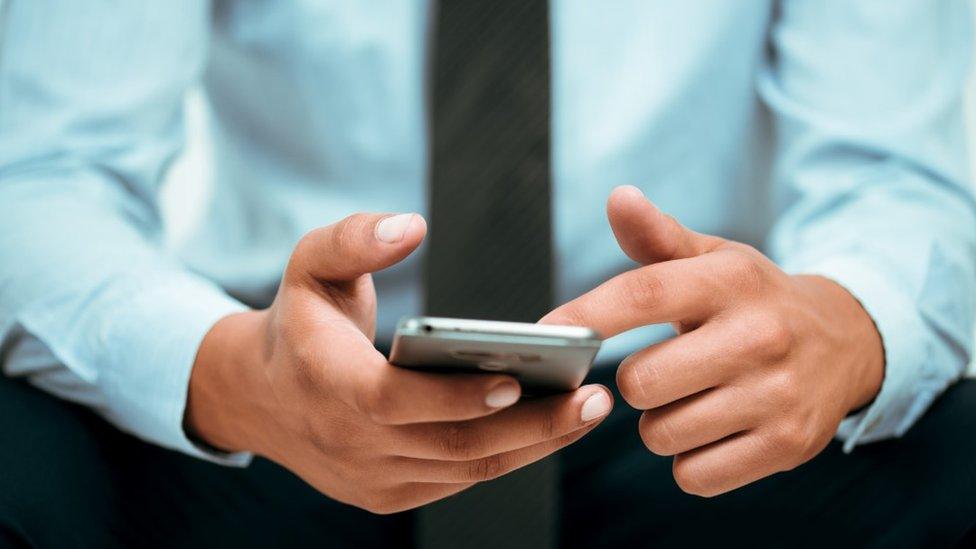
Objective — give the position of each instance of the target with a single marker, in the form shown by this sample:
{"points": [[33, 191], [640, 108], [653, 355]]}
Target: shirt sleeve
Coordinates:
{"points": [[91, 306], [871, 181]]}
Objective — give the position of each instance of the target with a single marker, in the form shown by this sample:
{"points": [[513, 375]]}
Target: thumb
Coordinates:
{"points": [[359, 244], [648, 235]]}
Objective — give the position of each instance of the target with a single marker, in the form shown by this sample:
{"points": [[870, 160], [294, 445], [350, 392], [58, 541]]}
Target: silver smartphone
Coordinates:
{"points": [[544, 358]]}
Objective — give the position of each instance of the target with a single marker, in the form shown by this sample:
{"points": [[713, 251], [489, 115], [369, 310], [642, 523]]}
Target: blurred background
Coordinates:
{"points": [[187, 188]]}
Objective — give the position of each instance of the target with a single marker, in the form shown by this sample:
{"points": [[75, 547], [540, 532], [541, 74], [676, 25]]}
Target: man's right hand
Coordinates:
{"points": [[302, 384]]}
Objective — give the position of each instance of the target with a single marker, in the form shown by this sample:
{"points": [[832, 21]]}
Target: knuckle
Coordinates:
{"points": [[785, 389], [793, 437], [547, 425], [658, 434], [690, 478], [344, 233], [634, 380], [772, 338], [486, 468], [645, 289], [746, 270], [459, 442]]}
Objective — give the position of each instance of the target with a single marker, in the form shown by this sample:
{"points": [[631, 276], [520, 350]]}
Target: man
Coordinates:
{"points": [[826, 134]]}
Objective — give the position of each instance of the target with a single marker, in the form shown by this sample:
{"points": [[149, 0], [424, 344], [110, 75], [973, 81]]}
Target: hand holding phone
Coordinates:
{"points": [[318, 398]]}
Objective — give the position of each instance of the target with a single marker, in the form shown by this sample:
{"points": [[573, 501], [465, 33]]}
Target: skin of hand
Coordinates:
{"points": [[764, 367], [302, 384]]}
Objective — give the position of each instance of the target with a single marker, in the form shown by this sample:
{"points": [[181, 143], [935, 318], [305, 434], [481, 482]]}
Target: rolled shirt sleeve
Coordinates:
{"points": [[91, 306], [871, 182]]}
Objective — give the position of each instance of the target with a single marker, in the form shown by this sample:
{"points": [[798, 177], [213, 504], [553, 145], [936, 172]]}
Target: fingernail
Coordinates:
{"points": [[598, 405], [391, 229], [505, 394], [633, 190]]}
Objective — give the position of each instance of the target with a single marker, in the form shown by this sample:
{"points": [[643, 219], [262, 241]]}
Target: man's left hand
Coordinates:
{"points": [[765, 365]]}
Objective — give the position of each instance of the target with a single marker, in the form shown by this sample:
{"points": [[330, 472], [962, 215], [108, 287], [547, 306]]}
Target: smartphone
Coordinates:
{"points": [[544, 358]]}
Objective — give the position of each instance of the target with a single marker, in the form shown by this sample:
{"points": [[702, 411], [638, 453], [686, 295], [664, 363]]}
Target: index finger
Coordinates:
{"points": [[689, 289]]}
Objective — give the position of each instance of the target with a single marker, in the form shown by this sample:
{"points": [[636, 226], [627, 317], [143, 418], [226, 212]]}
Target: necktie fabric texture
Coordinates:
{"points": [[489, 250]]}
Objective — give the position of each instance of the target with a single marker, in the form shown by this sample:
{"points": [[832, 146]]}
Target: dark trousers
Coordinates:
{"points": [[67, 479]]}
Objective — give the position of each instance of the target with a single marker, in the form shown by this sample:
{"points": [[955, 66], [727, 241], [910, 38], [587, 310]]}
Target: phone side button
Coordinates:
{"points": [[492, 365]]}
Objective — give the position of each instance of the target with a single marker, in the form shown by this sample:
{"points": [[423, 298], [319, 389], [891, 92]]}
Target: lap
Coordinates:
{"points": [[69, 479], [916, 491]]}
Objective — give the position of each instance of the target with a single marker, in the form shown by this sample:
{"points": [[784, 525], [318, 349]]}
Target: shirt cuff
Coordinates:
{"points": [[908, 387], [148, 388]]}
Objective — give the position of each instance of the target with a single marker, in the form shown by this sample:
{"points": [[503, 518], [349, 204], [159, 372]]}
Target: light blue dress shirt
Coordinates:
{"points": [[827, 132]]}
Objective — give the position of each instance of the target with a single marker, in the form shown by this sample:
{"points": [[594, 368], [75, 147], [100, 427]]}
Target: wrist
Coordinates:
{"points": [[861, 341], [224, 384]]}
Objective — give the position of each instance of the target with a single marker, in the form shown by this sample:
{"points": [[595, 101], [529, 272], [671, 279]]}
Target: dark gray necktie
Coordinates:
{"points": [[489, 252]]}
